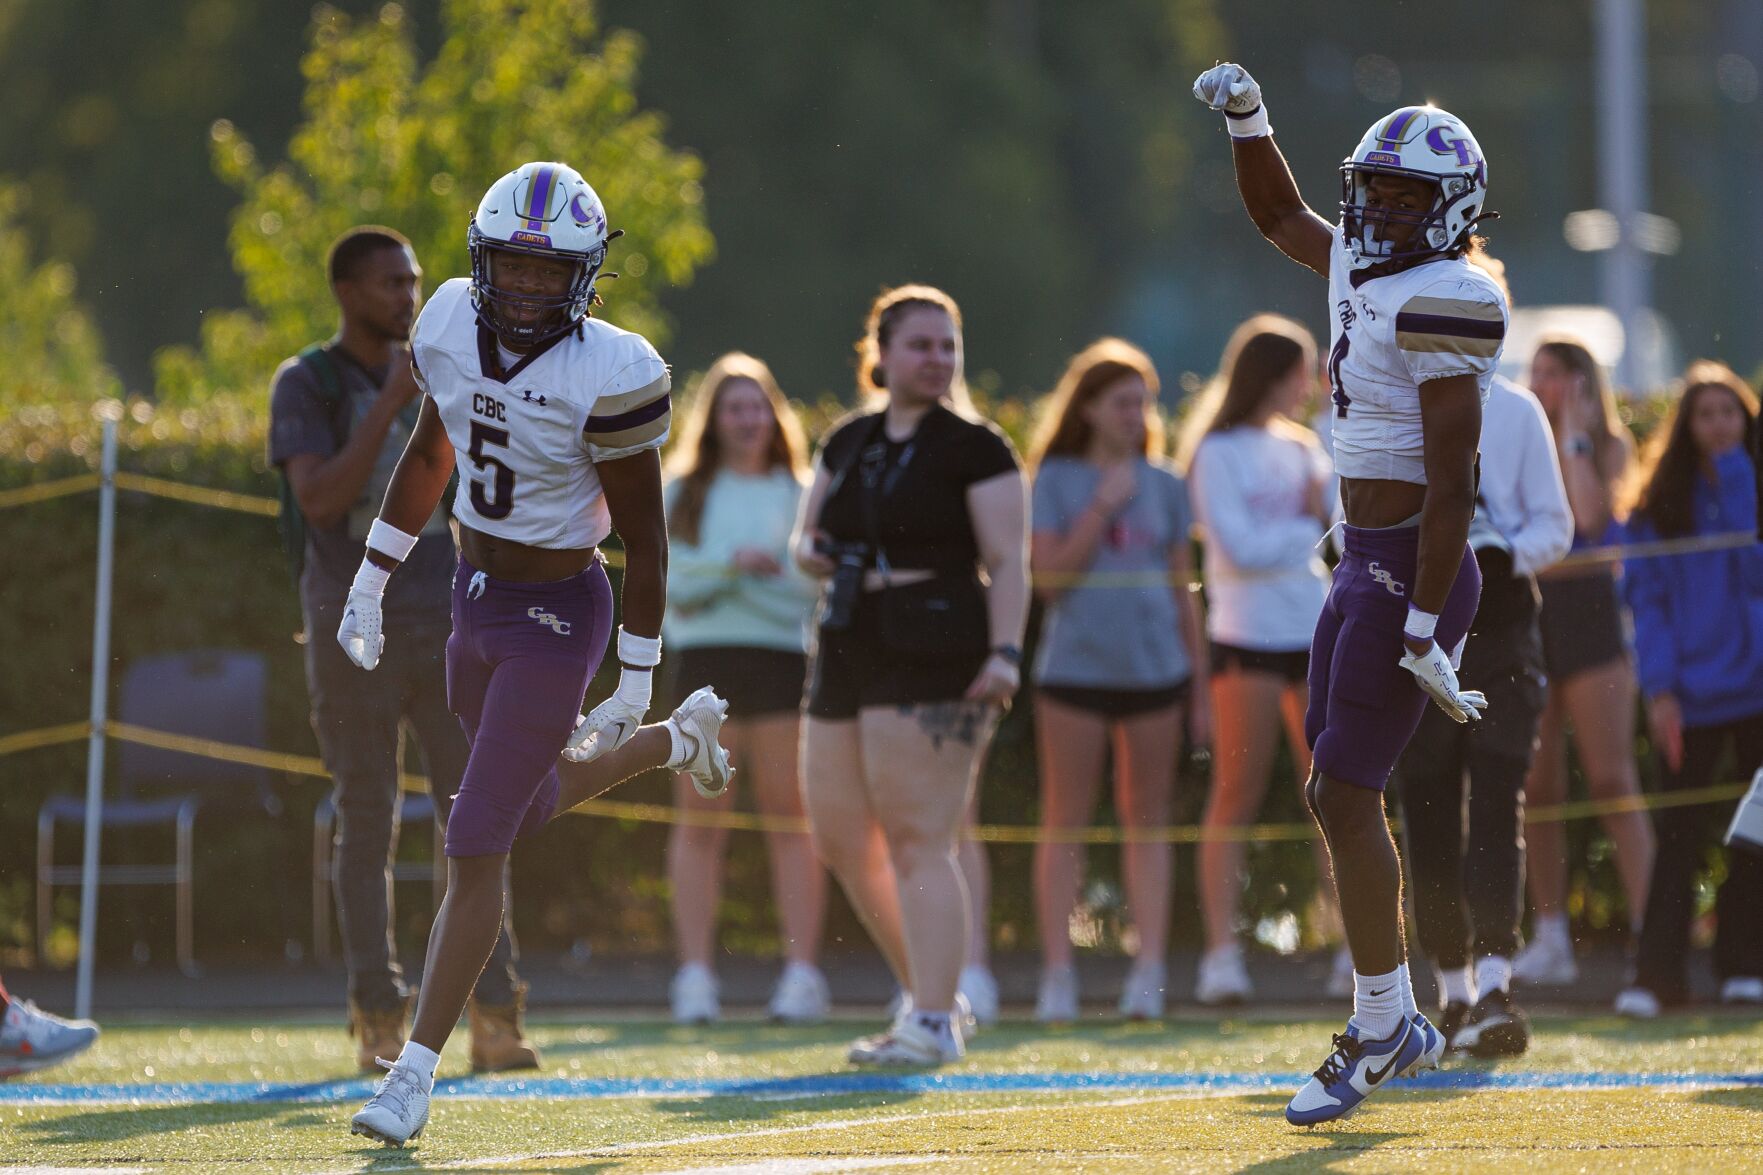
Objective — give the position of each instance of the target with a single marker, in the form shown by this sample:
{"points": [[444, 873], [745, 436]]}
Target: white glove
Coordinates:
{"points": [[1433, 670], [611, 724], [1228, 89], [361, 633]]}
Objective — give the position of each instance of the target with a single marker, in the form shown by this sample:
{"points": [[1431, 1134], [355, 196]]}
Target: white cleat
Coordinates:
{"points": [[699, 719], [1546, 962], [981, 991], [1141, 997], [398, 1110], [1057, 1001], [32, 1039], [1742, 989], [1223, 979], [1637, 1003], [801, 995], [909, 1043], [693, 995]]}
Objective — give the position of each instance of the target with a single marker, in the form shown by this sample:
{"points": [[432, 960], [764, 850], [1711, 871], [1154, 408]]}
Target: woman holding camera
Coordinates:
{"points": [[915, 655]]}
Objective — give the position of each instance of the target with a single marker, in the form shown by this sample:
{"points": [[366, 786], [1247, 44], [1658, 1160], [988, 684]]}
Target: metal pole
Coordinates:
{"points": [[1622, 173], [100, 712]]}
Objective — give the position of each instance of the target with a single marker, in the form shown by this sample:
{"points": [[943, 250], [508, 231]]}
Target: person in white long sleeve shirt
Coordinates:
{"points": [[1264, 494], [1468, 884], [739, 616]]}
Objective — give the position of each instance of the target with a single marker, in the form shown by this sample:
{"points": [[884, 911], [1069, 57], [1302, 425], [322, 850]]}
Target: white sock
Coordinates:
{"points": [[1377, 1004], [1491, 972], [1551, 927], [1456, 986], [422, 1060], [1406, 986]]}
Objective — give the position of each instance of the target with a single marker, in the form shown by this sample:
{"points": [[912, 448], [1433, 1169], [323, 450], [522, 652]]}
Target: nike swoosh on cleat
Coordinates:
{"points": [[1376, 1076]]}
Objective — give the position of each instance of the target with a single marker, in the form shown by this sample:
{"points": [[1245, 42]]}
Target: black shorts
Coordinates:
{"points": [[1293, 666], [755, 682], [1115, 703], [1581, 623], [853, 668]]}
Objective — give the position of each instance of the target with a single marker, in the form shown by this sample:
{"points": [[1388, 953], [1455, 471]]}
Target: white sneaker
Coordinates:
{"points": [[398, 1109], [32, 1039], [1223, 979], [1546, 962], [981, 990], [1742, 989], [699, 719], [965, 1021], [801, 995], [1056, 1002], [1141, 997], [909, 1043], [1340, 975], [693, 994], [1637, 1003]]}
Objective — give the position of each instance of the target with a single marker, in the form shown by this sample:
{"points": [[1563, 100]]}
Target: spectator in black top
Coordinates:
{"points": [[339, 420], [915, 654]]}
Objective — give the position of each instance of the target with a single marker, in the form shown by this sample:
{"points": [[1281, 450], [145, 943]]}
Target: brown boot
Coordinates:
{"points": [[378, 1032], [498, 1043]]}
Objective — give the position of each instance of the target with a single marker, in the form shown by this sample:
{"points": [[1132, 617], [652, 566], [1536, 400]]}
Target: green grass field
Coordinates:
{"points": [[749, 1097]]}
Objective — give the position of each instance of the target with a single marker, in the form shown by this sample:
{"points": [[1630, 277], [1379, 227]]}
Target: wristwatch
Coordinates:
{"points": [[1010, 653]]}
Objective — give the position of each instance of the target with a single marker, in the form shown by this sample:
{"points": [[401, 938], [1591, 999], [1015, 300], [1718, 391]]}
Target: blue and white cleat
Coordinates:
{"points": [[1355, 1070], [1432, 1045]]}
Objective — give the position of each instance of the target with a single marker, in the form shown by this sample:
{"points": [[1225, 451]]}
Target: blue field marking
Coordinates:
{"points": [[832, 1085]]}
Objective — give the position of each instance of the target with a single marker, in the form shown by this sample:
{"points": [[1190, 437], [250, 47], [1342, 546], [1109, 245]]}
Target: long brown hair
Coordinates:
{"points": [[698, 455], [1260, 353], [889, 307], [1668, 478], [1612, 446], [1064, 431]]}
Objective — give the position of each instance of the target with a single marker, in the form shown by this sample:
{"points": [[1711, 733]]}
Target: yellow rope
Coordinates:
{"points": [[43, 491], [159, 487], [1018, 834]]}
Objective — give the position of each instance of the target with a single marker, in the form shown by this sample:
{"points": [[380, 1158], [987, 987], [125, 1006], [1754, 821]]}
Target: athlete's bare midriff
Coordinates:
{"points": [[1375, 502], [519, 563]]}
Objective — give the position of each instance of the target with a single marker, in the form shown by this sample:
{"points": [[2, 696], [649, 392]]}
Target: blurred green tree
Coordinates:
{"points": [[388, 139], [52, 350]]}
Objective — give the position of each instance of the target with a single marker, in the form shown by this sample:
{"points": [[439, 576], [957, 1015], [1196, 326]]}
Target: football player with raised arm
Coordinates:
{"points": [[555, 420], [1416, 336]]}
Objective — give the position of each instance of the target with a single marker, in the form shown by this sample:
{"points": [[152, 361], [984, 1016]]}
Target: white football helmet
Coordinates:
{"points": [[1415, 142], [546, 209]]}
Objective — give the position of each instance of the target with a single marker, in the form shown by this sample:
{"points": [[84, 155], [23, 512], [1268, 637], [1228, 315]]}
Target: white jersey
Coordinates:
{"points": [[1390, 335], [527, 436]]}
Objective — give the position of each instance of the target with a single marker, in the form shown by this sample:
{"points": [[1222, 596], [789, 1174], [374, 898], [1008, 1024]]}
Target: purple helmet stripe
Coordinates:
{"points": [[543, 181], [1392, 131]]}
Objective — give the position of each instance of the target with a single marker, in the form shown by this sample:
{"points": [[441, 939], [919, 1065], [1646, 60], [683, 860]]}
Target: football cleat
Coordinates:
{"points": [[1742, 989], [1357, 1068], [1451, 1022], [1637, 1003], [1546, 962], [1223, 979], [699, 719], [693, 995], [32, 1039], [1056, 1002], [1432, 1046], [1495, 1028], [801, 995], [398, 1110], [910, 1042], [1141, 996]]}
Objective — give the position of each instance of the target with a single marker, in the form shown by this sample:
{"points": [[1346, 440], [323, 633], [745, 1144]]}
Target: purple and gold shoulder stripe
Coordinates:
{"points": [[1452, 326], [632, 419]]}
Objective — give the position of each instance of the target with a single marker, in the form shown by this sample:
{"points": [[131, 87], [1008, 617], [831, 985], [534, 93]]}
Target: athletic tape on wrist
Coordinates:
{"points": [[389, 541], [370, 580], [1252, 125], [1420, 625], [638, 652]]}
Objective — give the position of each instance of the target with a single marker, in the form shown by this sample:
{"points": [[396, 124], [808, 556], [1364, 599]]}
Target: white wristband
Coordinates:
{"points": [[389, 541], [370, 580], [1420, 624], [639, 652], [1252, 125]]}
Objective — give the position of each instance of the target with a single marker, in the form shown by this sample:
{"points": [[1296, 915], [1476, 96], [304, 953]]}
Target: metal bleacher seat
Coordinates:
{"points": [[413, 808], [218, 694]]}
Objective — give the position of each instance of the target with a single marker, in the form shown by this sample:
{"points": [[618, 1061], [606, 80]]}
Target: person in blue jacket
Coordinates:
{"points": [[1698, 621]]}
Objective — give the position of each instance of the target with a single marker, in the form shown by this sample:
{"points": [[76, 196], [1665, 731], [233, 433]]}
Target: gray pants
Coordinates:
{"points": [[359, 718]]}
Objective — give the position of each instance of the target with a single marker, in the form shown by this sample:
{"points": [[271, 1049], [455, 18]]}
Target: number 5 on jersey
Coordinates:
{"points": [[500, 499]]}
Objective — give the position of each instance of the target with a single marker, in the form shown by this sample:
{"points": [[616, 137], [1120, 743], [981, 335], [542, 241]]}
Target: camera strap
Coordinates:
{"points": [[876, 478]]}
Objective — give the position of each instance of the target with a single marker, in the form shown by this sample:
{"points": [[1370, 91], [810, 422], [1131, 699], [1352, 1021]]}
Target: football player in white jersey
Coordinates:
{"points": [[554, 420], [1416, 336]]}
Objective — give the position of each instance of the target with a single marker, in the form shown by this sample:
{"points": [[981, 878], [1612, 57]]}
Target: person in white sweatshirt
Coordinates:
{"points": [[1264, 495], [739, 617]]}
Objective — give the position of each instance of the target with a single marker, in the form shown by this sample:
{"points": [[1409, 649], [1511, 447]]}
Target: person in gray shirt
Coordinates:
{"points": [[338, 425]]}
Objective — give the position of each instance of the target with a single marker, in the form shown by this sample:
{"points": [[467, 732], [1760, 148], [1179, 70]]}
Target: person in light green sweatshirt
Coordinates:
{"points": [[738, 616]]}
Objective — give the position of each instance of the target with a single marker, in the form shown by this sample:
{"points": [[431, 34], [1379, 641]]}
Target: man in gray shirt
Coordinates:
{"points": [[338, 425]]}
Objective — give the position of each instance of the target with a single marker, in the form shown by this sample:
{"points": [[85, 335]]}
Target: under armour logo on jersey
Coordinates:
{"points": [[549, 620], [532, 399], [1389, 581]]}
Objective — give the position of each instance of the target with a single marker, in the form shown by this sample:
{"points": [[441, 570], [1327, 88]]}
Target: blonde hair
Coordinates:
{"points": [[1064, 431], [1261, 352], [1613, 447], [697, 455], [885, 313]]}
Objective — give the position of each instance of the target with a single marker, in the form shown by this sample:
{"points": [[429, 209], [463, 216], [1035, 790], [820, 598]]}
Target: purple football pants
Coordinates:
{"points": [[518, 664], [1364, 707]]}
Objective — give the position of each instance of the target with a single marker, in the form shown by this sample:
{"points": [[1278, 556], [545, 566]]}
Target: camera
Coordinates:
{"points": [[850, 561]]}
